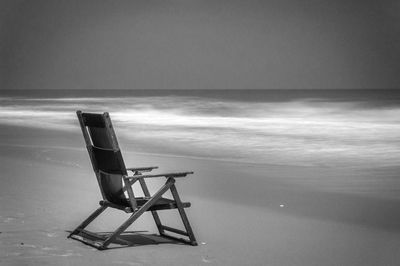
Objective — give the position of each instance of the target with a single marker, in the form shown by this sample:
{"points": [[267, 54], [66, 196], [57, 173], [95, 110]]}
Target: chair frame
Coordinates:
{"points": [[149, 201]]}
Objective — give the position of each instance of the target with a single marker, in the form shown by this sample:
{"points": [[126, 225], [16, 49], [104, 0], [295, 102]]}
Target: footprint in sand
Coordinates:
{"points": [[48, 251], [49, 248], [15, 218], [51, 234], [22, 244], [9, 220], [206, 260], [127, 263], [43, 155], [13, 254], [68, 254]]}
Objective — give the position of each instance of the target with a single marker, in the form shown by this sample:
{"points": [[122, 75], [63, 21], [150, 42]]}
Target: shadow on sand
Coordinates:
{"points": [[135, 238]]}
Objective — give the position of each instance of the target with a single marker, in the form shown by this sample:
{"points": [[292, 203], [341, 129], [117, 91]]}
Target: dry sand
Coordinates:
{"points": [[241, 214]]}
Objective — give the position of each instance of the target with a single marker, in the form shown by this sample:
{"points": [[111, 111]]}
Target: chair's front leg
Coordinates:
{"points": [[88, 220]]}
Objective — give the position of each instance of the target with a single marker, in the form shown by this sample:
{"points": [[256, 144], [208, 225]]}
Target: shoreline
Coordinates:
{"points": [[72, 141], [263, 186]]}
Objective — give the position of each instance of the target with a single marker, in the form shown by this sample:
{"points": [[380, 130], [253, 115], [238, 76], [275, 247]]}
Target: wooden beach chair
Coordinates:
{"points": [[114, 181]]}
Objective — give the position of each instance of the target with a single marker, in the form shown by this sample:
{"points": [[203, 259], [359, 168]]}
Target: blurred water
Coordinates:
{"points": [[308, 130]]}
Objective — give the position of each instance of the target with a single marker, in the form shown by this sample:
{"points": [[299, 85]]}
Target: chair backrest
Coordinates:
{"points": [[104, 153]]}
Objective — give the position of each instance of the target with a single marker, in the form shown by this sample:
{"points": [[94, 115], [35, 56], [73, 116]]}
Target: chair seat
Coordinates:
{"points": [[161, 204]]}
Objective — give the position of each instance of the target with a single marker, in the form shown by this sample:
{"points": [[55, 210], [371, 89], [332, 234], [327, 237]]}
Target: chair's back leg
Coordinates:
{"points": [[156, 217], [182, 212]]}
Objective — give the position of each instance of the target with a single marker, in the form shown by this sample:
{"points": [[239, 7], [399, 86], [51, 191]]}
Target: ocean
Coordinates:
{"points": [[328, 128]]}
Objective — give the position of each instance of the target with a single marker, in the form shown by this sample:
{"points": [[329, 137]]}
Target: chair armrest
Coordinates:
{"points": [[142, 169], [167, 175]]}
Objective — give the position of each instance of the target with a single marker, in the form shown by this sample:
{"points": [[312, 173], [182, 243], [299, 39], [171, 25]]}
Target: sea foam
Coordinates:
{"points": [[298, 132]]}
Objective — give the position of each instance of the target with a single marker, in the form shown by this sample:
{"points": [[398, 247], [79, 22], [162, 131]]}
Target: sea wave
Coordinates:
{"points": [[298, 132]]}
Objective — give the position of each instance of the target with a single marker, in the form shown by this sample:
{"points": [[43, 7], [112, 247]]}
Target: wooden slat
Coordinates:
{"points": [[142, 169], [94, 235], [96, 244], [93, 120], [115, 206], [167, 175], [190, 242], [174, 230]]}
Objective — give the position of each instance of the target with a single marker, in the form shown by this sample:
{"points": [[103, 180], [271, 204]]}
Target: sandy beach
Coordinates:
{"points": [[287, 112], [242, 214]]}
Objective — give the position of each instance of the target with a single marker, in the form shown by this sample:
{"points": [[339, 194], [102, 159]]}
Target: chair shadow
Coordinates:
{"points": [[136, 238]]}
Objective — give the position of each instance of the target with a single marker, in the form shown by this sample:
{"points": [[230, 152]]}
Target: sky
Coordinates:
{"points": [[199, 44]]}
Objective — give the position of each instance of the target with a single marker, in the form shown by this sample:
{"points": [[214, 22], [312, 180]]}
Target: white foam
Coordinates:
{"points": [[297, 132]]}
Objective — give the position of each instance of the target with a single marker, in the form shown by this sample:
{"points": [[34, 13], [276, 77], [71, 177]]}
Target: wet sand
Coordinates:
{"points": [[241, 214]]}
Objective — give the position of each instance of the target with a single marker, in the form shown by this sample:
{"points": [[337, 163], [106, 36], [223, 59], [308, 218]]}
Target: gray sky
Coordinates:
{"points": [[199, 44]]}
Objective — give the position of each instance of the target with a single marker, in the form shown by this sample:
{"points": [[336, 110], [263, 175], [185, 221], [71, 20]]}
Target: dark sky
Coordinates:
{"points": [[199, 44]]}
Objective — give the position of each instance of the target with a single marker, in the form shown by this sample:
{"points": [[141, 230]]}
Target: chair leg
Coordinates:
{"points": [[169, 185], [161, 228], [182, 213], [155, 215], [88, 220], [137, 214]]}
